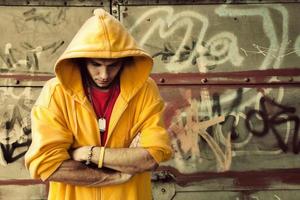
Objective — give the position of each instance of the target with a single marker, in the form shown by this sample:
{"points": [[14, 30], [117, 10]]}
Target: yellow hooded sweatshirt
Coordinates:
{"points": [[63, 118]]}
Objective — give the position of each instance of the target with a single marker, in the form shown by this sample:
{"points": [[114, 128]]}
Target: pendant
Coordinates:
{"points": [[102, 124]]}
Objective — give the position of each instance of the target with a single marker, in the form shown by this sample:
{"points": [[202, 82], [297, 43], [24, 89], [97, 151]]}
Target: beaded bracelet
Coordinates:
{"points": [[89, 158]]}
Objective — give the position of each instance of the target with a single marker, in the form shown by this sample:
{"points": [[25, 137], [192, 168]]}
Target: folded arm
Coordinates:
{"points": [[76, 173], [126, 160]]}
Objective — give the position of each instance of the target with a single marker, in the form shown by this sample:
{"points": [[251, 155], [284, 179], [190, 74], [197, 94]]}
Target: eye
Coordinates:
{"points": [[112, 65], [116, 64], [95, 64]]}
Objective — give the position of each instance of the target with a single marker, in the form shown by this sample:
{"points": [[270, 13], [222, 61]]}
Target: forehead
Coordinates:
{"points": [[105, 61]]}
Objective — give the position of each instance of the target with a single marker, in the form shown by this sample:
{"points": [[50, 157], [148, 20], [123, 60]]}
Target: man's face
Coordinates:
{"points": [[103, 71]]}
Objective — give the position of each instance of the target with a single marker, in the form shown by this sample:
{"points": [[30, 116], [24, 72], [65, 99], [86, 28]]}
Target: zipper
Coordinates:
{"points": [[100, 191]]}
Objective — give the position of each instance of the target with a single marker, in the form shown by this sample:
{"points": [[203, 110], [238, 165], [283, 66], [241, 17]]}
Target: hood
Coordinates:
{"points": [[103, 36]]}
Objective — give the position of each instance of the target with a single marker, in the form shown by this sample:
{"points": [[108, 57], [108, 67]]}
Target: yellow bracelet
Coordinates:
{"points": [[101, 157]]}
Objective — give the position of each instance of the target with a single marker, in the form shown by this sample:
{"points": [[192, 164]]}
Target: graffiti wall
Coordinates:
{"points": [[225, 122], [217, 38], [15, 138], [239, 129], [229, 74], [34, 37]]}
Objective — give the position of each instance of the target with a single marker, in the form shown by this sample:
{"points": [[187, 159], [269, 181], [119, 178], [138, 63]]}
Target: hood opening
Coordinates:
{"points": [[103, 36]]}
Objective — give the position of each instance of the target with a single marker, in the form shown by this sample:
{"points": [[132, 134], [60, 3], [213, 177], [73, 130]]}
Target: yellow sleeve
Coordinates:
{"points": [[154, 137], [50, 142]]}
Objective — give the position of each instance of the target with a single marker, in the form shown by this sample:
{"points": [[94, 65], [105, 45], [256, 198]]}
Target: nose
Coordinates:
{"points": [[103, 73]]}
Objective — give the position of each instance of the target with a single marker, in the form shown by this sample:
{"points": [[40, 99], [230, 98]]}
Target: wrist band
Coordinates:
{"points": [[89, 158], [101, 157]]}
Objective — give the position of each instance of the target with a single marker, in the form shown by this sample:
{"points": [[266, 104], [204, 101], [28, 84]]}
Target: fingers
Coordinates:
{"points": [[80, 154], [135, 142]]}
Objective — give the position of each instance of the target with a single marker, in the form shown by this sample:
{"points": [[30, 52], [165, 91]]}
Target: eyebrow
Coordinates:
{"points": [[93, 62]]}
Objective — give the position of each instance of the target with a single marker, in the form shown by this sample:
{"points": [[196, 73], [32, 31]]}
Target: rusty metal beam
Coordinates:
{"points": [[80, 3], [198, 2], [23, 80], [287, 77], [133, 2], [22, 182], [254, 77], [261, 179]]}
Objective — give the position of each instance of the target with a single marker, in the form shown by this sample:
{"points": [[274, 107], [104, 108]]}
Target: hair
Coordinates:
{"points": [[86, 79]]}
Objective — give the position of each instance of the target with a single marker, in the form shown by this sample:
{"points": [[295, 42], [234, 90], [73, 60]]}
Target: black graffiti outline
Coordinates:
{"points": [[9, 149], [270, 121], [46, 17], [30, 53], [165, 53], [168, 52]]}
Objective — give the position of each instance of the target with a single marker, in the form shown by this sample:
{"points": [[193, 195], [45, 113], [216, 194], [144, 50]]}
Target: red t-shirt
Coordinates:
{"points": [[103, 105]]}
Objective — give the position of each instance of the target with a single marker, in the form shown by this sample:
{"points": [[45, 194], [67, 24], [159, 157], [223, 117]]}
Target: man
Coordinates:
{"points": [[97, 127]]}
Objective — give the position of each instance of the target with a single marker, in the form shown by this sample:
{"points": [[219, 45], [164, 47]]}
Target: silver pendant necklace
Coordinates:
{"points": [[102, 117], [102, 124]]}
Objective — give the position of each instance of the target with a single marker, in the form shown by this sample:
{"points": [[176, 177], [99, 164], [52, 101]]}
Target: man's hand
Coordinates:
{"points": [[130, 160], [81, 154]]}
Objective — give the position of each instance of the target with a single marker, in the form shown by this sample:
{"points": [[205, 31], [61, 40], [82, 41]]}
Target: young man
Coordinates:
{"points": [[97, 127]]}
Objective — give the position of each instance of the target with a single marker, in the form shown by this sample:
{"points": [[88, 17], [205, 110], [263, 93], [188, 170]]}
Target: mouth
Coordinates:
{"points": [[101, 82]]}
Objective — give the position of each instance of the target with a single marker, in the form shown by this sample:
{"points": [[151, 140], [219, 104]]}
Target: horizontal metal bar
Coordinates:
{"points": [[23, 77], [23, 80], [242, 179], [80, 3], [133, 2], [22, 182], [255, 78], [200, 2]]}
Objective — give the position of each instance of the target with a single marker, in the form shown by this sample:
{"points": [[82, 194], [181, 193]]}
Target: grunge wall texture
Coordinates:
{"points": [[229, 72]]}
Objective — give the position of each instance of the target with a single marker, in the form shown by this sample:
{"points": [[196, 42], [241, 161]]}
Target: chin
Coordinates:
{"points": [[104, 87]]}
